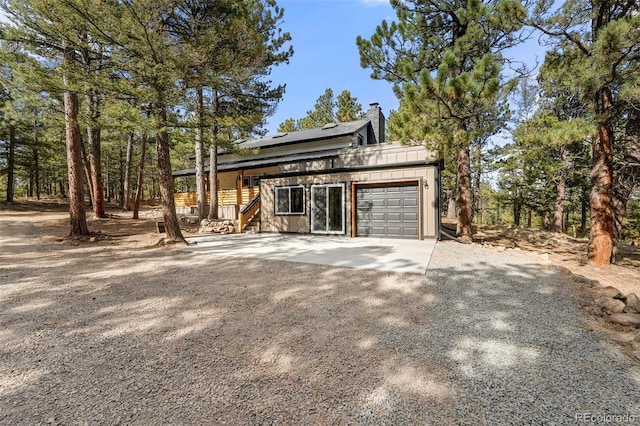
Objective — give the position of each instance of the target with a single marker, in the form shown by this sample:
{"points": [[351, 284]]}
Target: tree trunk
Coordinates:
{"points": [[602, 242], [463, 162], [451, 206], [11, 164], [121, 175], [77, 217], [87, 173], [477, 179], [36, 160], [517, 211], [629, 174], [171, 224], [95, 154], [561, 188], [107, 184], [126, 205], [143, 153], [602, 239], [200, 183], [584, 208], [213, 181], [529, 218], [213, 164]]}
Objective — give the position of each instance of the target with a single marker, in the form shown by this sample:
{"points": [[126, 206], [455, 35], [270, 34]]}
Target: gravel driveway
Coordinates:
{"points": [[96, 335]]}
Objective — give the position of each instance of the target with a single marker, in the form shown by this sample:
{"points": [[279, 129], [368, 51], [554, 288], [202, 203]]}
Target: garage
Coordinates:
{"points": [[388, 210]]}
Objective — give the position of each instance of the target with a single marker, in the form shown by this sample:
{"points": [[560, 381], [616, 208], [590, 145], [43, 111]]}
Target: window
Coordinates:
{"points": [[360, 140], [250, 181], [289, 200]]}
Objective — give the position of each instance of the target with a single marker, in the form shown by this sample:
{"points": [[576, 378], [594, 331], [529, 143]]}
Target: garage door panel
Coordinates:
{"points": [[409, 217], [387, 210], [409, 231], [364, 231], [377, 230], [394, 216]]}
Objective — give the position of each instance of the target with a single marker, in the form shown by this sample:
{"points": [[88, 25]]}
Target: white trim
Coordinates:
{"points": [[342, 208]]}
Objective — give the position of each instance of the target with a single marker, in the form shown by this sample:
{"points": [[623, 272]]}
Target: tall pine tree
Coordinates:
{"points": [[444, 59]]}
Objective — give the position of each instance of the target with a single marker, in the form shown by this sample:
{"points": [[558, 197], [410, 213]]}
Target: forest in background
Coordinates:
{"points": [[105, 99]]}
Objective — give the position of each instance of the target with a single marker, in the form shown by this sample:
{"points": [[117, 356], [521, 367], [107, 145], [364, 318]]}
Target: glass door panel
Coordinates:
{"points": [[319, 209], [327, 210], [335, 222]]}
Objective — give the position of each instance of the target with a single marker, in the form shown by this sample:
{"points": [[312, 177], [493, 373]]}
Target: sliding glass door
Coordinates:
{"points": [[327, 209]]}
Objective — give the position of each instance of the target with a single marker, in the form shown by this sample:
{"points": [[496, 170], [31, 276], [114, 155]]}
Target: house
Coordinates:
{"points": [[341, 179]]}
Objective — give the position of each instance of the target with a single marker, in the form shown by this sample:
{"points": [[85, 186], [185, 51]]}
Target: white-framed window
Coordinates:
{"points": [[328, 208], [290, 200]]}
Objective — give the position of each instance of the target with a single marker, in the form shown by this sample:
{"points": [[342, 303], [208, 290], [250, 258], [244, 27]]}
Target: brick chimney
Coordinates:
{"points": [[377, 122]]}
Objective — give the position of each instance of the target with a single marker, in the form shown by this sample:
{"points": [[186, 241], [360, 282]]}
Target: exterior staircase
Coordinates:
{"points": [[249, 217], [253, 227]]}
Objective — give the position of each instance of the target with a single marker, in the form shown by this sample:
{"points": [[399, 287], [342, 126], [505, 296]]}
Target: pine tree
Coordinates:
{"points": [[54, 31], [446, 67], [348, 108], [230, 47], [321, 114], [326, 110], [602, 38], [287, 126]]}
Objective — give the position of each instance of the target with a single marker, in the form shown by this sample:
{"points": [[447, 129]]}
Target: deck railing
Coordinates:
{"points": [[226, 197], [248, 212]]}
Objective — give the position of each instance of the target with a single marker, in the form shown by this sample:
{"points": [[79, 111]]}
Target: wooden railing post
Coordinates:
{"points": [[240, 223]]}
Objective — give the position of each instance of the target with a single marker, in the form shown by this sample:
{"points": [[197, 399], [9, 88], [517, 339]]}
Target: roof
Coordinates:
{"points": [[249, 163], [329, 131]]}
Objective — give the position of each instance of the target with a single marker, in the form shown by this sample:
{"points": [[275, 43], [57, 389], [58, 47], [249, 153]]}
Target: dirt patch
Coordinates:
{"points": [[565, 251], [48, 221], [111, 329]]}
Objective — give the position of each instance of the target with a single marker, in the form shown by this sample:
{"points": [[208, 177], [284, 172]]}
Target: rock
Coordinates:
{"points": [[632, 303], [593, 310], [610, 305], [93, 239], [579, 279], [500, 249], [219, 227], [561, 269], [637, 339], [609, 291], [632, 320]]}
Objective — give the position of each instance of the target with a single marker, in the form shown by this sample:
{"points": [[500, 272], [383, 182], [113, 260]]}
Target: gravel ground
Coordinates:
{"points": [[93, 334]]}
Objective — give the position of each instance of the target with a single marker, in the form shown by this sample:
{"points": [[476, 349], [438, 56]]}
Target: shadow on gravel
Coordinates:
{"points": [[167, 337]]}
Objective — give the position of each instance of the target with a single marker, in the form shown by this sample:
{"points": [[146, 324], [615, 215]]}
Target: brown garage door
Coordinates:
{"points": [[388, 211]]}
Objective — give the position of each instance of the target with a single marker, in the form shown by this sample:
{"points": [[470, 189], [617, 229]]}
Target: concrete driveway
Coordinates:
{"points": [[395, 255]]}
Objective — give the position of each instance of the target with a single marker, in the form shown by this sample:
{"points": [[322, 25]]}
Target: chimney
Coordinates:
{"points": [[377, 122]]}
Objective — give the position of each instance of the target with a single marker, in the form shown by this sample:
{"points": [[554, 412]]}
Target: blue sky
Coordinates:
{"points": [[326, 56], [323, 36]]}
